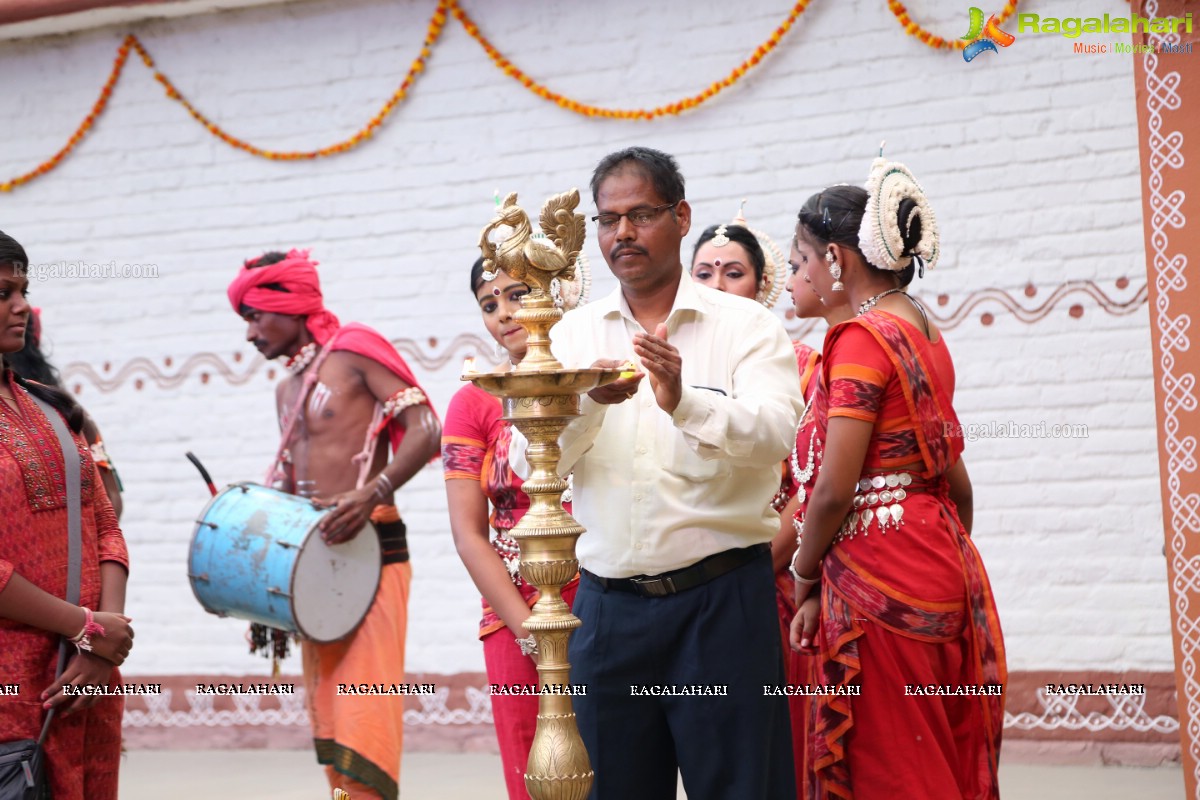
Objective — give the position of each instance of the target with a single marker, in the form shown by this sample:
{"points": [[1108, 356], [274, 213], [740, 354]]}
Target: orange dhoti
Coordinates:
{"points": [[359, 736]]}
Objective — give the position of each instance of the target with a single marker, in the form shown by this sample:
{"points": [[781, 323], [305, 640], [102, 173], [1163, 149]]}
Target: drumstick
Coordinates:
{"points": [[203, 472]]}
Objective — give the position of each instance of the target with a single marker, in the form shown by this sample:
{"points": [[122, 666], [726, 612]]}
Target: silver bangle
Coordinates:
{"points": [[386, 485], [800, 578]]}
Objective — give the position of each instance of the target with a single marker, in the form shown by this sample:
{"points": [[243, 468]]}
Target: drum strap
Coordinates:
{"points": [[310, 380]]}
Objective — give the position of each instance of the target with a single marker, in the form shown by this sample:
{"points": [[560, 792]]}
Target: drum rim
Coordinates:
{"points": [[369, 524]]}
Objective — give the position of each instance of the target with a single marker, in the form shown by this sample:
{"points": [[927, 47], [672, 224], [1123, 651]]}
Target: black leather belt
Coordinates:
{"points": [[680, 580]]}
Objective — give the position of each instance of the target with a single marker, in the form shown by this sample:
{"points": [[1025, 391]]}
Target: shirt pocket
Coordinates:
{"points": [[681, 461]]}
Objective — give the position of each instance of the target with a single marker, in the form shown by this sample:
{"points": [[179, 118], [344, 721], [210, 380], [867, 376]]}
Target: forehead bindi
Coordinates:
{"points": [[492, 291]]}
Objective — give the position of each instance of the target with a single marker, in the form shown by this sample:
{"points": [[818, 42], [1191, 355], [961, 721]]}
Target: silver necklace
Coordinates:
{"points": [[869, 303], [802, 476]]}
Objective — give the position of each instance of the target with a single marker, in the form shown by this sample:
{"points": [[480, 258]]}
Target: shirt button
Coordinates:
{"points": [[637, 497], [637, 546], [641, 451]]}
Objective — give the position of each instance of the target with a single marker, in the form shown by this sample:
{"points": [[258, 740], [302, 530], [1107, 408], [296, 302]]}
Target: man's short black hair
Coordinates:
{"points": [[659, 167]]}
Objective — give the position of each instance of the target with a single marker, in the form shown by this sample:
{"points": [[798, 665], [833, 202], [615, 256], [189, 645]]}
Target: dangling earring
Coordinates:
{"points": [[835, 271]]}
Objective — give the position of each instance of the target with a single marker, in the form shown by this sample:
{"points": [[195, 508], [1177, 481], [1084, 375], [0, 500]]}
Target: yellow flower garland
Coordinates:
{"points": [[937, 42], [678, 107]]}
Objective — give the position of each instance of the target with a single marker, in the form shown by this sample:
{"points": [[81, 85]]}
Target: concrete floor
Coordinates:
{"points": [[295, 775]]}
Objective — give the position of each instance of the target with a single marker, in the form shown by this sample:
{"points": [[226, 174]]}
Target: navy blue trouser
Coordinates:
{"points": [[724, 633]]}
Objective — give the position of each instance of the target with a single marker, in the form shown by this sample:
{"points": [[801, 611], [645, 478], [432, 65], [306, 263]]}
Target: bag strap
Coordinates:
{"points": [[72, 472]]}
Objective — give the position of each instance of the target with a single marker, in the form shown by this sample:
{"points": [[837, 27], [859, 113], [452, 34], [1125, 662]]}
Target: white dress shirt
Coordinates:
{"points": [[660, 491]]}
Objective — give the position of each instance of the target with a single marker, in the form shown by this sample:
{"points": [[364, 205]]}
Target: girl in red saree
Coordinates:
{"points": [[84, 745], [475, 444], [908, 636], [799, 473]]}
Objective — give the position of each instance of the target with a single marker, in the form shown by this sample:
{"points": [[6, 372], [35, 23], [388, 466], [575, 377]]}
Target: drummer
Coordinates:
{"points": [[347, 386]]}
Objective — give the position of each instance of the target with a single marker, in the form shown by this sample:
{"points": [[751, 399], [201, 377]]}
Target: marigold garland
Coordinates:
{"points": [[84, 127], [937, 42], [678, 107], [437, 24], [131, 44]]}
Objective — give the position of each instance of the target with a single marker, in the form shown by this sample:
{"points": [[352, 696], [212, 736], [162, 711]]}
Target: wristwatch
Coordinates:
{"points": [[528, 645]]}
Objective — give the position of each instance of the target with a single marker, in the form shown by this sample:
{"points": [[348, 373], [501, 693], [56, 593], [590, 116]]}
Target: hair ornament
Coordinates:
{"points": [[719, 239], [880, 237], [775, 272]]}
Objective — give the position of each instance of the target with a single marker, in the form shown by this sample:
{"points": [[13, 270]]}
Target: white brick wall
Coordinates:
{"points": [[1029, 156]]}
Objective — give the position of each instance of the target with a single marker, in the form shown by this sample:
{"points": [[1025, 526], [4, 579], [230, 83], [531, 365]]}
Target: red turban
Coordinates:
{"points": [[302, 295]]}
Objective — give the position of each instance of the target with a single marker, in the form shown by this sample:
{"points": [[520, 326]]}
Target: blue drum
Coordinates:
{"points": [[256, 555]]}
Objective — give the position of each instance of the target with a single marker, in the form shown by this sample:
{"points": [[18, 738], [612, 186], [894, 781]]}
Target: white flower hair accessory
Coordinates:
{"points": [[775, 271], [881, 237]]}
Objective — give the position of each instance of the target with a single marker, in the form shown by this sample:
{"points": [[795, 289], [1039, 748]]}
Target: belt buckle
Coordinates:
{"points": [[658, 586]]}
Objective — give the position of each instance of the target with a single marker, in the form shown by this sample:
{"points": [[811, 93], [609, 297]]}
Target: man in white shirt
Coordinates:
{"points": [[674, 473]]}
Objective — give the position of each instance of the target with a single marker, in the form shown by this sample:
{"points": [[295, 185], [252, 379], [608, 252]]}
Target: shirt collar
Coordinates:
{"points": [[686, 299]]}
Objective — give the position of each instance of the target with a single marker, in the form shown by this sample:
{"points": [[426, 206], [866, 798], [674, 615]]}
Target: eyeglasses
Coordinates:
{"points": [[638, 217]]}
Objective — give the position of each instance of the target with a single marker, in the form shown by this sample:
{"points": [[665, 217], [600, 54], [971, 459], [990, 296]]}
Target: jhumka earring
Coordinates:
{"points": [[835, 270]]}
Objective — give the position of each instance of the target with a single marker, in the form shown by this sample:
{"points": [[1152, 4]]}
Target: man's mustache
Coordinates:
{"points": [[626, 248]]}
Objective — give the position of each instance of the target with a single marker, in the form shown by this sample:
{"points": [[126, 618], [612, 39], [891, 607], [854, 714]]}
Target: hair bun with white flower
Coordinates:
{"points": [[898, 225]]}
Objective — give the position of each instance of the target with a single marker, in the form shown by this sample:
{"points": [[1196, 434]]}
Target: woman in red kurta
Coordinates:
{"points": [[83, 747], [908, 632], [475, 459]]}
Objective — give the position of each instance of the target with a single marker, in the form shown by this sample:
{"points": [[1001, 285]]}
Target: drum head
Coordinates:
{"points": [[333, 586]]}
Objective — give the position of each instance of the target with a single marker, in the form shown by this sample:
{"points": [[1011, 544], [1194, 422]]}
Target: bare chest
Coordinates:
{"points": [[332, 404]]}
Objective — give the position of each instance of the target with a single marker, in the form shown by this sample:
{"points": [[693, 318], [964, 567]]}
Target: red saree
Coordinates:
{"points": [[905, 598], [83, 749]]}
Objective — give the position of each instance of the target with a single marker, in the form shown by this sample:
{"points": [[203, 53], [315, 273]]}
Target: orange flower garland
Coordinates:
{"points": [[436, 24], [937, 42], [84, 127], [678, 107], [131, 43]]}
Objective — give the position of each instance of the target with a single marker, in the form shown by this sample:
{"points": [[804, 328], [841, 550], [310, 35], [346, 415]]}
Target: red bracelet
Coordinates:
{"points": [[83, 639]]}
